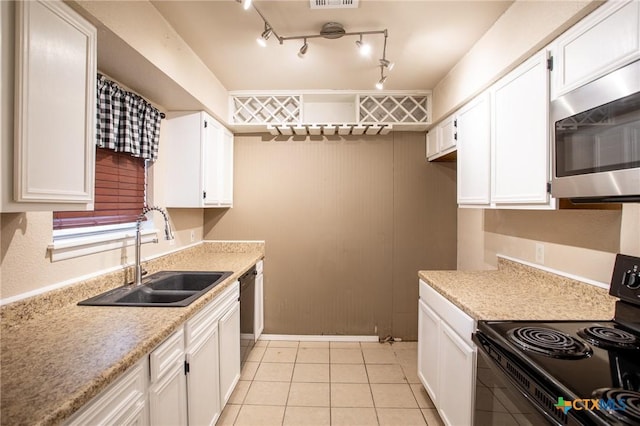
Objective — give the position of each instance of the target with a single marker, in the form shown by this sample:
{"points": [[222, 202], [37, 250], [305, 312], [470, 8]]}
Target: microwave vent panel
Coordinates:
{"points": [[333, 4]]}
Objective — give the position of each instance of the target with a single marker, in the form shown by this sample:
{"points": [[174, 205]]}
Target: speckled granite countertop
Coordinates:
{"points": [[56, 356], [519, 292]]}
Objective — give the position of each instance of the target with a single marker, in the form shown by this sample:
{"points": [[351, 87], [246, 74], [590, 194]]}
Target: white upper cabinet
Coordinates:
{"points": [[199, 161], [520, 136], [503, 144], [602, 42], [474, 152], [441, 140], [53, 160]]}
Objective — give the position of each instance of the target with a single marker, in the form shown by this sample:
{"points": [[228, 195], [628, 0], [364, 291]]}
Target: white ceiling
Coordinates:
{"points": [[426, 38]]}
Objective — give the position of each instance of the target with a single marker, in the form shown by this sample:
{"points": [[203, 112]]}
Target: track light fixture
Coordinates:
{"points": [[262, 40], [303, 49], [331, 31], [383, 78], [387, 64], [363, 48]]}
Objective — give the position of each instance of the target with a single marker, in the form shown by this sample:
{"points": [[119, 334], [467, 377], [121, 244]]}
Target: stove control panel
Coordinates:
{"points": [[631, 278], [625, 280]]}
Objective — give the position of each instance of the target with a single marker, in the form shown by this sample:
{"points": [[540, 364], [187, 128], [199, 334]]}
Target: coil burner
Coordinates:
{"points": [[549, 342], [621, 406], [609, 337]]}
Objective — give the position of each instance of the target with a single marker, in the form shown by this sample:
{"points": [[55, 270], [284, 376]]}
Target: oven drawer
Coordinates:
{"points": [[455, 318]]}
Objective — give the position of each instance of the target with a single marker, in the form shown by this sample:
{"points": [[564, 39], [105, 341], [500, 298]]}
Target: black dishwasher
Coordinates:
{"points": [[247, 298]]}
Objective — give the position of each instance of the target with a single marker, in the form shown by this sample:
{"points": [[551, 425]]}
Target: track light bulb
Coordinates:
{"points": [[387, 64], [363, 48], [303, 49], [380, 83], [262, 40], [246, 4]]}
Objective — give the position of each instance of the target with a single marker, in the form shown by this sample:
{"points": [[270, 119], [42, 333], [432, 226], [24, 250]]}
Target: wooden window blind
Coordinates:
{"points": [[119, 192]]}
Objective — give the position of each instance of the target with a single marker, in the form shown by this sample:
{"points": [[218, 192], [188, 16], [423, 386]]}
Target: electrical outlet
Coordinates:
{"points": [[540, 253], [193, 235]]}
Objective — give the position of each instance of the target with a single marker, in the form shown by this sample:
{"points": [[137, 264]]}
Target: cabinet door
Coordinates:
{"points": [[602, 42], [182, 157], [457, 378], [474, 152], [428, 341], [229, 329], [55, 108], [168, 399], [448, 134], [211, 155], [258, 304], [432, 142], [203, 379], [520, 135]]}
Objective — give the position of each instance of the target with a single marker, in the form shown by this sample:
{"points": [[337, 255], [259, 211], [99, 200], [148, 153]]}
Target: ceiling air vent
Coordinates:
{"points": [[333, 4]]}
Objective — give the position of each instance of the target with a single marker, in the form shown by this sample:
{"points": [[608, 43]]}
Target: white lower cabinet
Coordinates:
{"points": [[446, 356], [186, 380], [124, 402], [457, 366], [203, 377], [229, 330], [167, 389], [428, 338], [212, 341]]}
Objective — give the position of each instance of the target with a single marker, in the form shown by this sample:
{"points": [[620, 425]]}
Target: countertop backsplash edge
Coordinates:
{"points": [[42, 304]]}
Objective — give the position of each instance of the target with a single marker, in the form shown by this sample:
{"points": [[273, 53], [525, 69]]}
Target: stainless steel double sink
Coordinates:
{"points": [[162, 289]]}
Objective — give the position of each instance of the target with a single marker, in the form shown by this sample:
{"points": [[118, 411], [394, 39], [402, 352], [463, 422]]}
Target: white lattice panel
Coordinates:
{"points": [[393, 109], [266, 109]]}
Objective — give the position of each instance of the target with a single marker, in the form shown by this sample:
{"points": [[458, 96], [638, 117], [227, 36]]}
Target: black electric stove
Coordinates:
{"points": [[571, 372]]}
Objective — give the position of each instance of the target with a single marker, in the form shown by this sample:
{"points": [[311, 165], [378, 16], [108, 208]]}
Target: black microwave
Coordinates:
{"points": [[596, 139]]}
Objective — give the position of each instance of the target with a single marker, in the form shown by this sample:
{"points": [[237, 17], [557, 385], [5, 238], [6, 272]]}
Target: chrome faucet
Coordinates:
{"points": [[168, 235]]}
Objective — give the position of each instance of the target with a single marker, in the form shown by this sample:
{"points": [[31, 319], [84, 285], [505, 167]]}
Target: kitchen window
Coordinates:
{"points": [[120, 192], [127, 137]]}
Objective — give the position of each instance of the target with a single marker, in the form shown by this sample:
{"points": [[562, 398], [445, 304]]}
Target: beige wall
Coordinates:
{"points": [[347, 224], [526, 27], [579, 242]]}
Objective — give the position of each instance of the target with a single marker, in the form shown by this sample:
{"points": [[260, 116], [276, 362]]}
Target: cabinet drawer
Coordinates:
{"points": [[459, 321], [121, 403], [167, 355], [201, 322]]}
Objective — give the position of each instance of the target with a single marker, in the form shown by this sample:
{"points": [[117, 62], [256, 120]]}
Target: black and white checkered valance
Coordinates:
{"points": [[126, 122]]}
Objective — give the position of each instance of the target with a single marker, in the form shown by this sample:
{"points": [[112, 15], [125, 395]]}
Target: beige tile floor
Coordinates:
{"points": [[330, 383]]}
